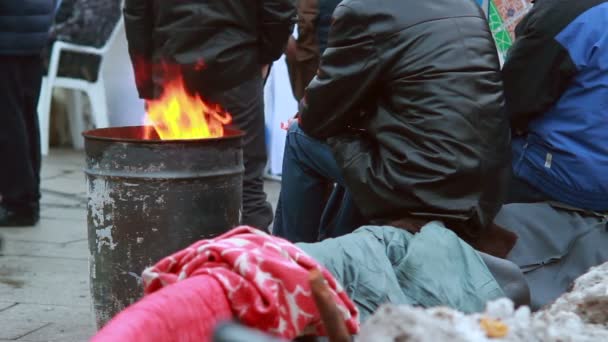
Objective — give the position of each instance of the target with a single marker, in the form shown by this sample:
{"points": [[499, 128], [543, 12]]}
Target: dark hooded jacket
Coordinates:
{"points": [[24, 26], [217, 43], [409, 95]]}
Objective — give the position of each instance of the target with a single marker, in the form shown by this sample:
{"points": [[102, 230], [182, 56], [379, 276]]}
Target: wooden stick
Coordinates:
{"points": [[330, 315]]}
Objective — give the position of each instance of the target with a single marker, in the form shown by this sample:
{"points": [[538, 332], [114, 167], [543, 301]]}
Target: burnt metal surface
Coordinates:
{"points": [[150, 198]]}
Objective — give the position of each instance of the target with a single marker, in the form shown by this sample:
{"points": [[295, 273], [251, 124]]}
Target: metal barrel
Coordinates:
{"points": [[149, 198]]}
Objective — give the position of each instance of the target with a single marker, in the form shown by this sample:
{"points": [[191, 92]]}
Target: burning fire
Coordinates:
{"points": [[179, 115]]}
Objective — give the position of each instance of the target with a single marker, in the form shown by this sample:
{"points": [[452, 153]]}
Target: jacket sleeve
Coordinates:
{"points": [[138, 26], [536, 73], [277, 21], [307, 45], [348, 71]]}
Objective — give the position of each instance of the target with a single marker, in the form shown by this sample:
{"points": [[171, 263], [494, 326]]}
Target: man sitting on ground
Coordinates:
{"points": [[556, 89], [406, 112]]}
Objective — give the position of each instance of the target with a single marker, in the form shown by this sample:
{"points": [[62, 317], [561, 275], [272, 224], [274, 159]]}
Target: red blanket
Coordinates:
{"points": [[264, 278], [186, 312]]}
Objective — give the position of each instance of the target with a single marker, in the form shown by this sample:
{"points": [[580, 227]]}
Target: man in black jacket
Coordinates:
{"points": [[221, 48], [24, 27], [406, 111]]}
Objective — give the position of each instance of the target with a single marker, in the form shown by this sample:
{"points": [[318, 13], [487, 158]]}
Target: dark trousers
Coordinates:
{"points": [[246, 105], [521, 191], [20, 78], [303, 213]]}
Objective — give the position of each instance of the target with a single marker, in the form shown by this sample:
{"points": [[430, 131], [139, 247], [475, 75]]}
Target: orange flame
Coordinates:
{"points": [[179, 115]]}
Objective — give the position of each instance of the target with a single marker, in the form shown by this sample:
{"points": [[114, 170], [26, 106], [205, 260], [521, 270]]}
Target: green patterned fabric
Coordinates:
{"points": [[503, 16], [502, 36]]}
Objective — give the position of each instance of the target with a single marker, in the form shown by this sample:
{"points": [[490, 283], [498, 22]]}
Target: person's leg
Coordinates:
{"points": [[308, 168], [32, 77], [246, 105], [19, 174], [341, 215]]}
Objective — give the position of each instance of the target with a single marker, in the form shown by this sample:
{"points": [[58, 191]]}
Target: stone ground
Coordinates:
{"points": [[44, 285]]}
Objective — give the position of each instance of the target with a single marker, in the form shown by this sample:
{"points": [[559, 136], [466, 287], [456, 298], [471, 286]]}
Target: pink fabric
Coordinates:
{"points": [[264, 278], [187, 311]]}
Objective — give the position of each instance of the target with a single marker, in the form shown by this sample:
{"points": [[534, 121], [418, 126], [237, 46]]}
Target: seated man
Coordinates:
{"points": [[406, 112], [556, 90]]}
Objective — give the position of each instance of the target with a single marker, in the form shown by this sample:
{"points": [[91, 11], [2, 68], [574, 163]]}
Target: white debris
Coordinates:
{"points": [[580, 315]]}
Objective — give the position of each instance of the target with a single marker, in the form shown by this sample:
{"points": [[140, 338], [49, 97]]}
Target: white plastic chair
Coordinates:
{"points": [[96, 92]]}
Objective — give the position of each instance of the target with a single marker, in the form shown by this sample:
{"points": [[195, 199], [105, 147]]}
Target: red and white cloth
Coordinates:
{"points": [[264, 278], [187, 311]]}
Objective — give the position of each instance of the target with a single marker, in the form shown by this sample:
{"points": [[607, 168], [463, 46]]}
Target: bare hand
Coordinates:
{"points": [[290, 122]]}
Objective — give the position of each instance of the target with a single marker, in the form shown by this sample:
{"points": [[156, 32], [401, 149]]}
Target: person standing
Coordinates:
{"points": [[221, 48], [24, 29]]}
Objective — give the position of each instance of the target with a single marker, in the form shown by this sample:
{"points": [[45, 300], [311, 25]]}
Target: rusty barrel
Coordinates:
{"points": [[148, 198]]}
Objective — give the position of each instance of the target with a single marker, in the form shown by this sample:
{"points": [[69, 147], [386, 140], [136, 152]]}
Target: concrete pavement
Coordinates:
{"points": [[44, 274]]}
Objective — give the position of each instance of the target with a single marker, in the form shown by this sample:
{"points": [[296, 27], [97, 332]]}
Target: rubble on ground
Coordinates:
{"points": [[580, 315]]}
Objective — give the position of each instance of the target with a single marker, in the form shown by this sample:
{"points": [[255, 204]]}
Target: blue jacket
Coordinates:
{"points": [[24, 26], [556, 88]]}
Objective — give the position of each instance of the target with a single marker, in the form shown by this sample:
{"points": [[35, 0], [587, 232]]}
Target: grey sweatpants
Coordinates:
{"points": [[555, 246]]}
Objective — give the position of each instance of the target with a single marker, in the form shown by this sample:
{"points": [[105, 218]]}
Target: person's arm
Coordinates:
{"points": [[306, 46], [348, 71], [277, 21], [138, 18], [537, 71]]}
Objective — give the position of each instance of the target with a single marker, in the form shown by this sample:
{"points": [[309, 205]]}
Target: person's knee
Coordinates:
{"points": [[510, 278], [294, 138]]}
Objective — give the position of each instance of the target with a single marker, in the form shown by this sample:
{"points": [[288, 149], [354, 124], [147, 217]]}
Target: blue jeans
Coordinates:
{"points": [[303, 214]]}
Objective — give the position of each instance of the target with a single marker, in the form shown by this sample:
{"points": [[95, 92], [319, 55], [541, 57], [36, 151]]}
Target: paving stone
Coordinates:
{"points": [[52, 200], [34, 322], [73, 184], [45, 281], [71, 250], [6, 305], [71, 214], [66, 158], [66, 332], [48, 230], [50, 172]]}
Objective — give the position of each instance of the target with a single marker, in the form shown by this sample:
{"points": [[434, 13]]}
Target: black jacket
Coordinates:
{"points": [[409, 95], [217, 43], [24, 26]]}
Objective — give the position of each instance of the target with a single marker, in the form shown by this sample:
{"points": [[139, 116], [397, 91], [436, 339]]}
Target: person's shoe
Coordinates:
{"points": [[19, 216]]}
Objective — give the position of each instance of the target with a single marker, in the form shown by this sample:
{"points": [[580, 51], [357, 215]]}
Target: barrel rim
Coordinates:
{"points": [[233, 134]]}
